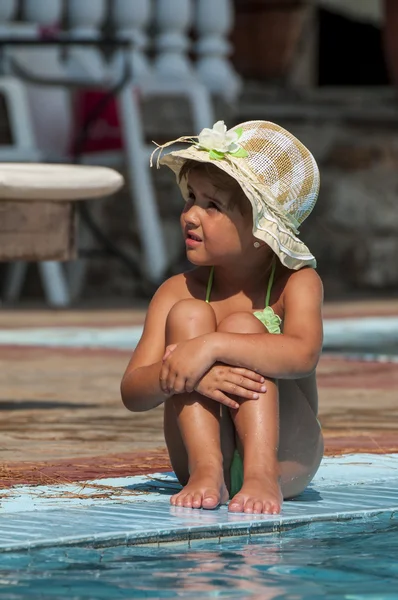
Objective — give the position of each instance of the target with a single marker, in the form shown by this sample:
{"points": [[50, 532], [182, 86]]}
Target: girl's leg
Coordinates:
{"points": [[200, 442], [300, 440], [278, 437]]}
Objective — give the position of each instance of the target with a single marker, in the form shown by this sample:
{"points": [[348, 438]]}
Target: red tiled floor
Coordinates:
{"points": [[63, 471]]}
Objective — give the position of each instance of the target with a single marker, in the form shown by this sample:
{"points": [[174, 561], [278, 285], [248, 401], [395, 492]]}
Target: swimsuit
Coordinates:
{"points": [[272, 322]]}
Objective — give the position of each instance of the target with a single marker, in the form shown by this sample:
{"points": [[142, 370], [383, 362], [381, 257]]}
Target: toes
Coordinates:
{"points": [[271, 508], [276, 509], [180, 501], [187, 501], [236, 504], [210, 501], [267, 508], [197, 500], [249, 506]]}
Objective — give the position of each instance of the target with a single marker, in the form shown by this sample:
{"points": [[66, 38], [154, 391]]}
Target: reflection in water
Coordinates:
{"points": [[345, 559]]}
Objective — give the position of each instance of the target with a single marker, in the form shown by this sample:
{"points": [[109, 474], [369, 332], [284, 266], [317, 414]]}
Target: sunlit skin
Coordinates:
{"points": [[225, 381]]}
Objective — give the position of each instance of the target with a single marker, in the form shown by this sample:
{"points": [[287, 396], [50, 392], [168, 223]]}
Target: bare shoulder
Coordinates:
{"points": [[190, 284], [303, 285], [172, 288], [302, 306]]}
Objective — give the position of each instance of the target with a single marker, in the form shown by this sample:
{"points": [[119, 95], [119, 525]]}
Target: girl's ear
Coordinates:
{"points": [[257, 244]]}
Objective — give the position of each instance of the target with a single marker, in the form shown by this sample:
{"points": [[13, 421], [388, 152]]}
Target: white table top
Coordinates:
{"points": [[54, 182]]}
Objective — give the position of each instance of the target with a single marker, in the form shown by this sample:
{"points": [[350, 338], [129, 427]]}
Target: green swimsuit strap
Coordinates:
{"points": [[270, 283], [209, 284]]}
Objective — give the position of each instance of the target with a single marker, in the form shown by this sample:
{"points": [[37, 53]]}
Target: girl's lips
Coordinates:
{"points": [[192, 239], [191, 243]]}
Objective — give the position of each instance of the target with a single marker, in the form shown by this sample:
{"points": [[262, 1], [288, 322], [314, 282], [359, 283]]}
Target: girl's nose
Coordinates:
{"points": [[191, 214]]}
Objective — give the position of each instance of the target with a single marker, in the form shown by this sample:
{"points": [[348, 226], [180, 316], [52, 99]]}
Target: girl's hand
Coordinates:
{"points": [[183, 364], [223, 379]]}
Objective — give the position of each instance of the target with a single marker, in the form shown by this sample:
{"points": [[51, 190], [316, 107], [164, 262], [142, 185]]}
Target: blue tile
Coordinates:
{"points": [[154, 522]]}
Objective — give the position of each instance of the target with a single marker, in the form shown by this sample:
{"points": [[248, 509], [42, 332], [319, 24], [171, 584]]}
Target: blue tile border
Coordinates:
{"points": [[345, 488], [191, 534], [157, 522]]}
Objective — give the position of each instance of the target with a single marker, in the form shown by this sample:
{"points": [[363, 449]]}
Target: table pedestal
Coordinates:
{"points": [[35, 231]]}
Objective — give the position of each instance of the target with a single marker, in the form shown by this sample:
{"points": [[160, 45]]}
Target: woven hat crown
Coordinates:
{"points": [[279, 161]]}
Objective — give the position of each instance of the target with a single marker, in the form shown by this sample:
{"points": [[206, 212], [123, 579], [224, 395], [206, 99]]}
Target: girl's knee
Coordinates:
{"points": [[192, 316], [241, 322]]}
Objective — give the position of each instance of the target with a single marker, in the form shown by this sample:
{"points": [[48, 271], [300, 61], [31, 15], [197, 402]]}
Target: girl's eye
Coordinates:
{"points": [[214, 205]]}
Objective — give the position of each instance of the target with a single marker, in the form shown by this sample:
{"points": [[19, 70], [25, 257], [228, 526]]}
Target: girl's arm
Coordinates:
{"points": [[141, 384], [291, 355], [140, 388]]}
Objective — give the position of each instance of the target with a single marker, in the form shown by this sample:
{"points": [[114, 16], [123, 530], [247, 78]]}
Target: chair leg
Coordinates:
{"points": [[23, 147], [150, 229], [53, 280], [13, 281], [76, 271], [54, 283]]}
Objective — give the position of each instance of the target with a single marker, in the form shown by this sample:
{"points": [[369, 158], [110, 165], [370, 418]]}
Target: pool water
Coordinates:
{"points": [[388, 352], [352, 560]]}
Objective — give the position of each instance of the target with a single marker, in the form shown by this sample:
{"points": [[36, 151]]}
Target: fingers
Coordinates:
{"points": [[243, 382], [242, 392], [223, 399], [168, 351], [252, 375], [168, 380], [163, 378], [171, 383], [189, 385]]}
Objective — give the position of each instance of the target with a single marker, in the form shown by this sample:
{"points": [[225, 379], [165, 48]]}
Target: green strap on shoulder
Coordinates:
{"points": [[270, 282], [209, 284]]}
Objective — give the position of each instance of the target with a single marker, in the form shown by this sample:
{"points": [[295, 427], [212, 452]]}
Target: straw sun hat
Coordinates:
{"points": [[276, 172]]}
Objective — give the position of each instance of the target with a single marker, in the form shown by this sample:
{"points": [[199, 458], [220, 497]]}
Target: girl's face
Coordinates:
{"points": [[215, 231]]}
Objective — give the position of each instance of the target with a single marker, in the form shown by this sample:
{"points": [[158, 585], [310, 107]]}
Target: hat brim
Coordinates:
{"points": [[267, 226]]}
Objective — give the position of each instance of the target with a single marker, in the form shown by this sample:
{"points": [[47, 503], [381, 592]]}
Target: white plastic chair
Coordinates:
{"points": [[24, 149]]}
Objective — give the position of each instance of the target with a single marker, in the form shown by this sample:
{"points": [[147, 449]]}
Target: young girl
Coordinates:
{"points": [[231, 346]]}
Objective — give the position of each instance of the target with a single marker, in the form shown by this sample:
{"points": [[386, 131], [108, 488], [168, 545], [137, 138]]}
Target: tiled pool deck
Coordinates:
{"points": [[136, 510]]}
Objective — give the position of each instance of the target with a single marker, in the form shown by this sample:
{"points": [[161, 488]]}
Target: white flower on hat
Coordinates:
{"points": [[218, 141]]}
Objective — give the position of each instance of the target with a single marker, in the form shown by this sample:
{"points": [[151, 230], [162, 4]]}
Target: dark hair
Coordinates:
{"points": [[220, 180]]}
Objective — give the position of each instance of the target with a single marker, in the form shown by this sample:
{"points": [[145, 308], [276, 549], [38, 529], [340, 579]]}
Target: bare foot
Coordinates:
{"points": [[203, 490], [258, 495]]}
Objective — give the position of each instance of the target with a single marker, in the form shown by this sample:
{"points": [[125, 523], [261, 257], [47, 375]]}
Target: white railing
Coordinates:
{"points": [[159, 29]]}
